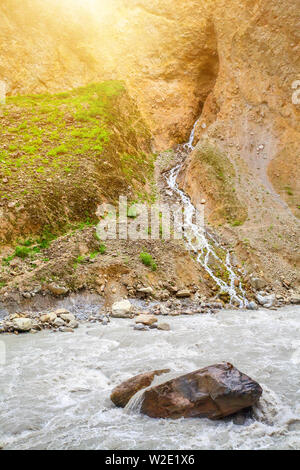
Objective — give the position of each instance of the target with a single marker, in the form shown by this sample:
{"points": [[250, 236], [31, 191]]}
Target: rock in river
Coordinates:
{"points": [[266, 301], [146, 319], [213, 392], [163, 326], [121, 395], [295, 299]]}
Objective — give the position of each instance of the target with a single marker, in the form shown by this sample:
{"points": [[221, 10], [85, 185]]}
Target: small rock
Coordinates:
{"points": [[146, 319], [295, 299], [58, 322], [73, 324], [67, 317], [172, 289], [217, 305], [164, 310], [163, 326], [183, 293], [61, 311], [122, 309], [257, 283], [57, 290], [48, 317], [146, 290], [252, 305], [66, 329], [141, 327], [267, 301], [26, 295], [22, 324]]}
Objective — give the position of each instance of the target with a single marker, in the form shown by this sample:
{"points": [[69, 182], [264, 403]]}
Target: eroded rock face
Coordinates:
{"points": [[121, 395], [213, 392], [167, 55]]}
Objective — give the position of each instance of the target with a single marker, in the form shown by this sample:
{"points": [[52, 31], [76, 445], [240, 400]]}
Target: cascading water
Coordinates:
{"points": [[189, 144], [201, 242]]}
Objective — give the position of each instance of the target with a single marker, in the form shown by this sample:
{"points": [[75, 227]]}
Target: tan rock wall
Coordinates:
{"points": [[235, 59]]}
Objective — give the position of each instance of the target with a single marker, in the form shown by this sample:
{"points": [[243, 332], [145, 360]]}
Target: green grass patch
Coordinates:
{"points": [[63, 154], [102, 249], [148, 261]]}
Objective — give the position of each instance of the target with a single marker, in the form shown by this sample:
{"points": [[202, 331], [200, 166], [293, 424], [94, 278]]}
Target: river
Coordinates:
{"points": [[55, 387]]}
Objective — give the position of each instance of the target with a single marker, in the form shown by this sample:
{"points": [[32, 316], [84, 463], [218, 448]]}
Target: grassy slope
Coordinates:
{"points": [[61, 155]]}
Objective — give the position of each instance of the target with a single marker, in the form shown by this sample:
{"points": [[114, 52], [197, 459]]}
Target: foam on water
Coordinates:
{"points": [[55, 387]]}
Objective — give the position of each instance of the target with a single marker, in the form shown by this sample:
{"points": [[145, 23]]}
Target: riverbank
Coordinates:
{"points": [[55, 388]]}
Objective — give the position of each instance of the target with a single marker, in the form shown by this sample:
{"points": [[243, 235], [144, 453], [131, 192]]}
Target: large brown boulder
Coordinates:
{"points": [[121, 395], [213, 392]]}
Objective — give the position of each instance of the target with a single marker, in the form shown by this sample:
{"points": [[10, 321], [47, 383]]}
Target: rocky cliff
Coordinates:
{"points": [[229, 63]]}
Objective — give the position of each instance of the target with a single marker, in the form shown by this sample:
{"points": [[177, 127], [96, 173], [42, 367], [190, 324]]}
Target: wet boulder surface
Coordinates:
{"points": [[213, 392], [121, 394]]}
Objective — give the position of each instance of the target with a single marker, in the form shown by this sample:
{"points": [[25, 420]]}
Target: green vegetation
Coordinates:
{"points": [[79, 118], [237, 223], [30, 247], [288, 190], [80, 259], [217, 179], [132, 212], [62, 154], [102, 249], [22, 251], [147, 260]]}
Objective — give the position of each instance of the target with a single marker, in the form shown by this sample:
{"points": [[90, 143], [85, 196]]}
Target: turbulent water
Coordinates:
{"points": [[55, 387], [203, 243]]}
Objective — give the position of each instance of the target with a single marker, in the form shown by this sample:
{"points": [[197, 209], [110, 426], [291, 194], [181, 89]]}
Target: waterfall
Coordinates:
{"points": [[189, 144], [201, 242]]}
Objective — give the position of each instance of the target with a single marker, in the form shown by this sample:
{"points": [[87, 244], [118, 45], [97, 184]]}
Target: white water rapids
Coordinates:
{"points": [[201, 242], [55, 387]]}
